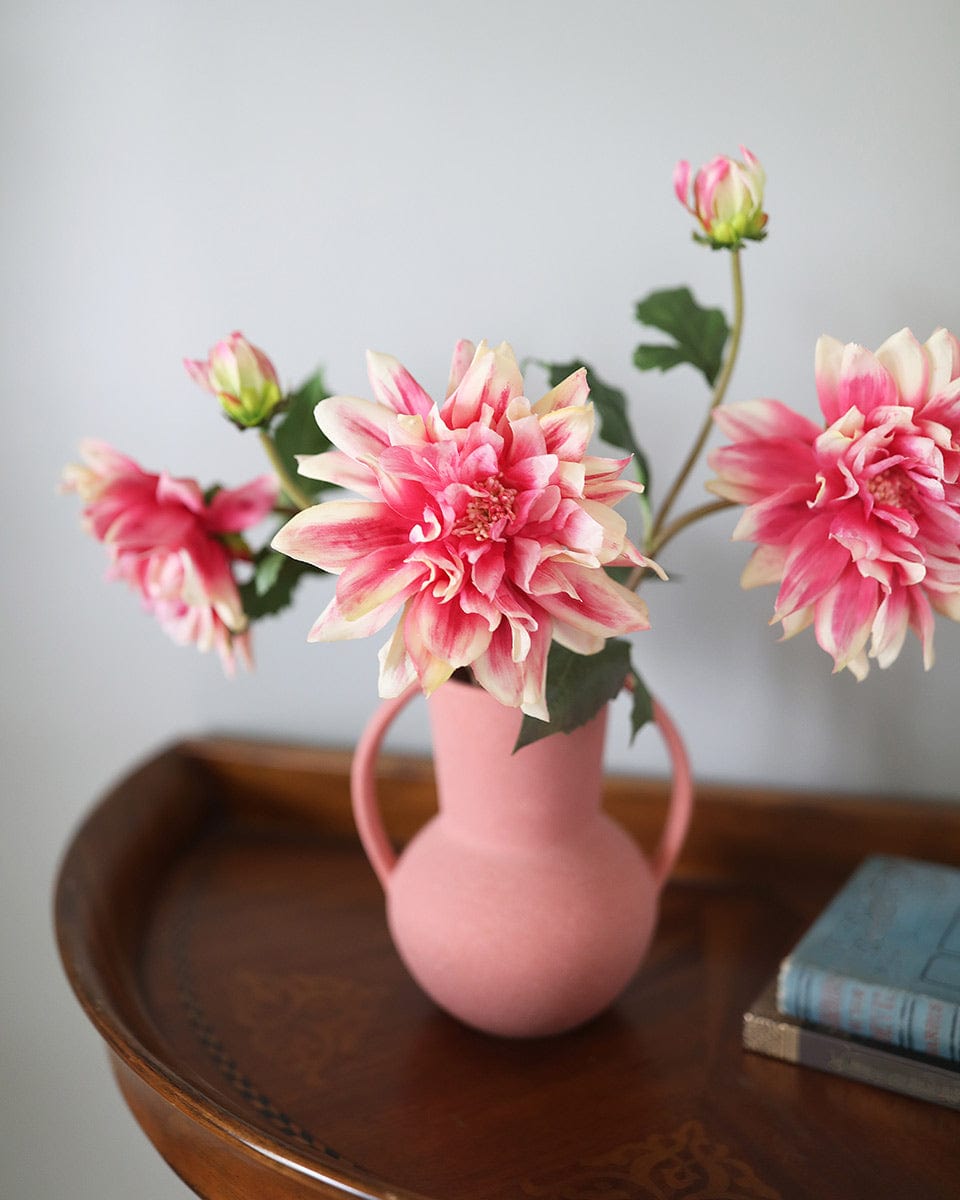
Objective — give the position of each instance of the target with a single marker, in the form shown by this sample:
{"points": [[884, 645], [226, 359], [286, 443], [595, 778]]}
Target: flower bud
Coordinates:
{"points": [[241, 377], [727, 199]]}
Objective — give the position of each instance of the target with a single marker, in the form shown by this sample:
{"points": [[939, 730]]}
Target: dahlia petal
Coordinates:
{"points": [[681, 181], [497, 672], [235, 509], [333, 466], [493, 379], [752, 470], [534, 700], [431, 671], [814, 565], [185, 492], [525, 443], [908, 363], [793, 623], [764, 566], [748, 420], [375, 580], [463, 354], [828, 361], [571, 479], [603, 605], [602, 480], [567, 431], [844, 617], [576, 639], [943, 350], [332, 535], [447, 632], [865, 384], [534, 473], [776, 519], [921, 622], [395, 387], [397, 671], [571, 392], [358, 427], [334, 626], [889, 629]]}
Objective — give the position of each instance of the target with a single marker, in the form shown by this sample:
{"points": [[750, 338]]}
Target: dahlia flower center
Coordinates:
{"points": [[488, 511], [892, 488]]}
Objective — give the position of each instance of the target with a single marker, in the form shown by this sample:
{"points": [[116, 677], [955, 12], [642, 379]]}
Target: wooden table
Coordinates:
{"points": [[226, 937]]}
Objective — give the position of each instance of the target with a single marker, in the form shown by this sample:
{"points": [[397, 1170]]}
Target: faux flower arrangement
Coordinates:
{"points": [[486, 526]]}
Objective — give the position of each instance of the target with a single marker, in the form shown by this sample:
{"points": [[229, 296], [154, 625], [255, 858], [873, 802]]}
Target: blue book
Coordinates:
{"points": [[882, 961]]}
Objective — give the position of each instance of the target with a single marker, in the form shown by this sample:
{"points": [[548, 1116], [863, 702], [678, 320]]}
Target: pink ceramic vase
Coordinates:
{"points": [[521, 907]]}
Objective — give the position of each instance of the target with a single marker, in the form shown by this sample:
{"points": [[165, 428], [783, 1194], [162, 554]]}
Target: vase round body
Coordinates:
{"points": [[521, 908]]}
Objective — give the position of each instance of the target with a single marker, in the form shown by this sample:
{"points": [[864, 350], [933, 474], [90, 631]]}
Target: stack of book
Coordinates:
{"points": [[872, 990]]}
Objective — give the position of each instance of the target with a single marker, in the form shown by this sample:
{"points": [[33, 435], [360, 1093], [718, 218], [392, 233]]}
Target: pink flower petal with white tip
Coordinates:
{"points": [[943, 351], [333, 535], [865, 384], [844, 616], [603, 606], [908, 363], [463, 354], [395, 387], [333, 466], [359, 428], [397, 671], [491, 381], [571, 392], [234, 509], [567, 431]]}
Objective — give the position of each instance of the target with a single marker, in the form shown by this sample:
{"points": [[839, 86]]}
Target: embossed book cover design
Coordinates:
{"points": [[883, 959]]}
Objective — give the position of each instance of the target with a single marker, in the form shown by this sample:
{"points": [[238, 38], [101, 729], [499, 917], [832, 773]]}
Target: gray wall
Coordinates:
{"points": [[329, 177]]}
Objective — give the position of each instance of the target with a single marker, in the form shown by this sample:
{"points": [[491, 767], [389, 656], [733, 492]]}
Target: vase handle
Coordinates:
{"points": [[363, 790], [681, 798]]}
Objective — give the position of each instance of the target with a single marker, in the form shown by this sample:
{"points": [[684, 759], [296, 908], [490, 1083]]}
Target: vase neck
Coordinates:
{"points": [[543, 791]]}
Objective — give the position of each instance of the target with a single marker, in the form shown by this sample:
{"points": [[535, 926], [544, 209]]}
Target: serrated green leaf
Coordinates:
{"points": [[297, 431], [611, 406], [699, 334], [274, 579], [641, 710], [578, 686]]}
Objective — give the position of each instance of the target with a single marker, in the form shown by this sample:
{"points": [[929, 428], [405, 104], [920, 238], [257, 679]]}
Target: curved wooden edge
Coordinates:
{"points": [[735, 831], [133, 832]]}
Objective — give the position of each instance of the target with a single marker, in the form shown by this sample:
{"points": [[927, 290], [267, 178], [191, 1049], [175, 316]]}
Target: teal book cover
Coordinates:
{"points": [[882, 960]]}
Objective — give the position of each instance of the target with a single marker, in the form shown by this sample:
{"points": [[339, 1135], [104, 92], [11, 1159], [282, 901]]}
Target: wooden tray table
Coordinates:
{"points": [[224, 933]]}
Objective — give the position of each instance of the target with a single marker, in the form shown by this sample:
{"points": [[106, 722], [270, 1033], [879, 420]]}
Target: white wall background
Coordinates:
{"points": [[328, 177]]}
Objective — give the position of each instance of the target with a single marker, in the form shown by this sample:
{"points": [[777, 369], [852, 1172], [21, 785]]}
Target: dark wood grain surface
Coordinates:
{"points": [[226, 937]]}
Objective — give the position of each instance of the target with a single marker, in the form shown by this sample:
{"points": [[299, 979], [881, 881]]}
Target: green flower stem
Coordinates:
{"points": [[667, 535], [289, 485], [654, 539], [688, 518]]}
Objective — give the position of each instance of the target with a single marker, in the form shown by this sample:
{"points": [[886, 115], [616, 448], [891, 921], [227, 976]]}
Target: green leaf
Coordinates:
{"points": [[271, 588], [699, 334], [297, 431], [641, 711], [578, 686], [611, 406]]}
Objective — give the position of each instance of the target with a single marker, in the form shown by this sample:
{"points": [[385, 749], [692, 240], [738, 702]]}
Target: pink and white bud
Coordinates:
{"points": [[242, 378], [727, 199]]}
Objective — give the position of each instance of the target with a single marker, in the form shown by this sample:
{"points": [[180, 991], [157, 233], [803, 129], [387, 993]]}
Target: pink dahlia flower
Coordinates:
{"points": [[484, 522], [858, 520], [727, 198], [172, 546]]}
